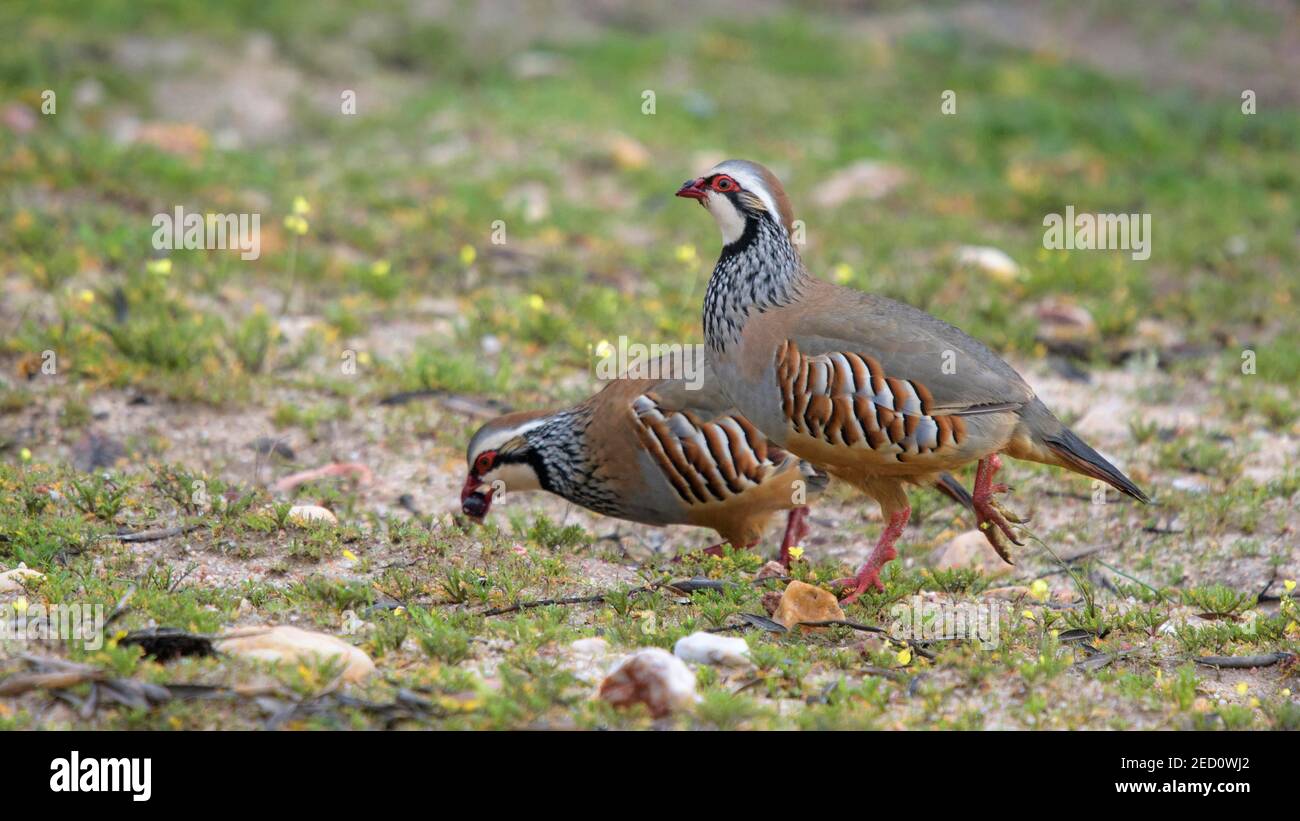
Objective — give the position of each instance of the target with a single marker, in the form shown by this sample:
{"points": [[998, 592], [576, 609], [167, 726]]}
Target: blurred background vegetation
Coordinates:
{"points": [[532, 113]]}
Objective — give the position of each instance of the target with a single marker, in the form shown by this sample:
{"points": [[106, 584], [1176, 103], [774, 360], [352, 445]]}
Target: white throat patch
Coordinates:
{"points": [[729, 219], [514, 476]]}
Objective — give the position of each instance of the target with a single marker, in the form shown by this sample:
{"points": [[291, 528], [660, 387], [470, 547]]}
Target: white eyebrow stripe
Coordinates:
{"points": [[750, 182]]}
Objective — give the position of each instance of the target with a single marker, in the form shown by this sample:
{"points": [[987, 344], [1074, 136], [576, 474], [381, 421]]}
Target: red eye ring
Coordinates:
{"points": [[724, 183], [484, 462]]}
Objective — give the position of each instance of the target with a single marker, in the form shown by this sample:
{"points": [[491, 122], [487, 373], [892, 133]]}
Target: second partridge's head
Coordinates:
{"points": [[500, 458], [736, 192]]}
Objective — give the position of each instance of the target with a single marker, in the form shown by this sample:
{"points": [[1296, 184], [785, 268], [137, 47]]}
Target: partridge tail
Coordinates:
{"points": [[1064, 448], [949, 486]]}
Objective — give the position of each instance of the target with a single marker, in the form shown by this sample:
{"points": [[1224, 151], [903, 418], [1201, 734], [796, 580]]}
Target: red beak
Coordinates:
{"points": [[694, 189], [475, 498]]}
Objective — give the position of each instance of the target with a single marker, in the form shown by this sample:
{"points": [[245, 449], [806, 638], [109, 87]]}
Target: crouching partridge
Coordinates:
{"points": [[651, 451], [874, 391]]}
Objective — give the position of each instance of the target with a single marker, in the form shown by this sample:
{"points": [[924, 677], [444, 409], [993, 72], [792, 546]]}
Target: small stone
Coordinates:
{"points": [[11, 581], [1156, 334], [1064, 326], [1190, 484], [803, 602], [710, 648], [588, 659], [311, 514], [969, 549], [284, 644], [771, 570], [870, 646], [595, 646], [490, 344], [653, 677], [992, 261], [772, 600], [627, 153], [863, 180], [532, 65]]}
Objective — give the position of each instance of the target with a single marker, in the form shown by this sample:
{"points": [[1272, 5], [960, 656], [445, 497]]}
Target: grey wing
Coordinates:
{"points": [[696, 390], [958, 374]]}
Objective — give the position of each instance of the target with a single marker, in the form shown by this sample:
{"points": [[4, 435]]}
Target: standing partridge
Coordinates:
{"points": [[874, 391], [653, 451]]}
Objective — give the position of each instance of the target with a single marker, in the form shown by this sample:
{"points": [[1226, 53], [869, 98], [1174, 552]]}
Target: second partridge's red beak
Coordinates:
{"points": [[694, 189], [475, 498]]}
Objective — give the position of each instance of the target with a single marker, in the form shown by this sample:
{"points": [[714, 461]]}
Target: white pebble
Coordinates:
{"points": [[710, 648]]}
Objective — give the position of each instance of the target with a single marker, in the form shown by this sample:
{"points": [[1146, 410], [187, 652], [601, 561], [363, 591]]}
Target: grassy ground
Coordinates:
{"points": [[172, 368]]}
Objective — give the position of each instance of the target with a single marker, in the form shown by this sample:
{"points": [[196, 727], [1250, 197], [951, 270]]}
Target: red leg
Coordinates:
{"points": [[869, 574], [992, 518], [796, 528]]}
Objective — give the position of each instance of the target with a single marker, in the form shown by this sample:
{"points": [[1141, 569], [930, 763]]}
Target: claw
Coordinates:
{"points": [[1007, 514], [859, 586], [994, 520]]}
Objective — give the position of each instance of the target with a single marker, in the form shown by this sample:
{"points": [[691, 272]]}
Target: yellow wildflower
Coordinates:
{"points": [[296, 224], [1039, 590]]}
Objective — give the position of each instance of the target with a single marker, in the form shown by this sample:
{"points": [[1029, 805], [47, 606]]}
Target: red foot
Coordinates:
{"points": [[869, 574], [796, 529], [992, 518]]}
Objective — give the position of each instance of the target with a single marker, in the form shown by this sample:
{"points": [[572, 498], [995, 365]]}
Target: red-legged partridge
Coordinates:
{"points": [[649, 451], [874, 391]]}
